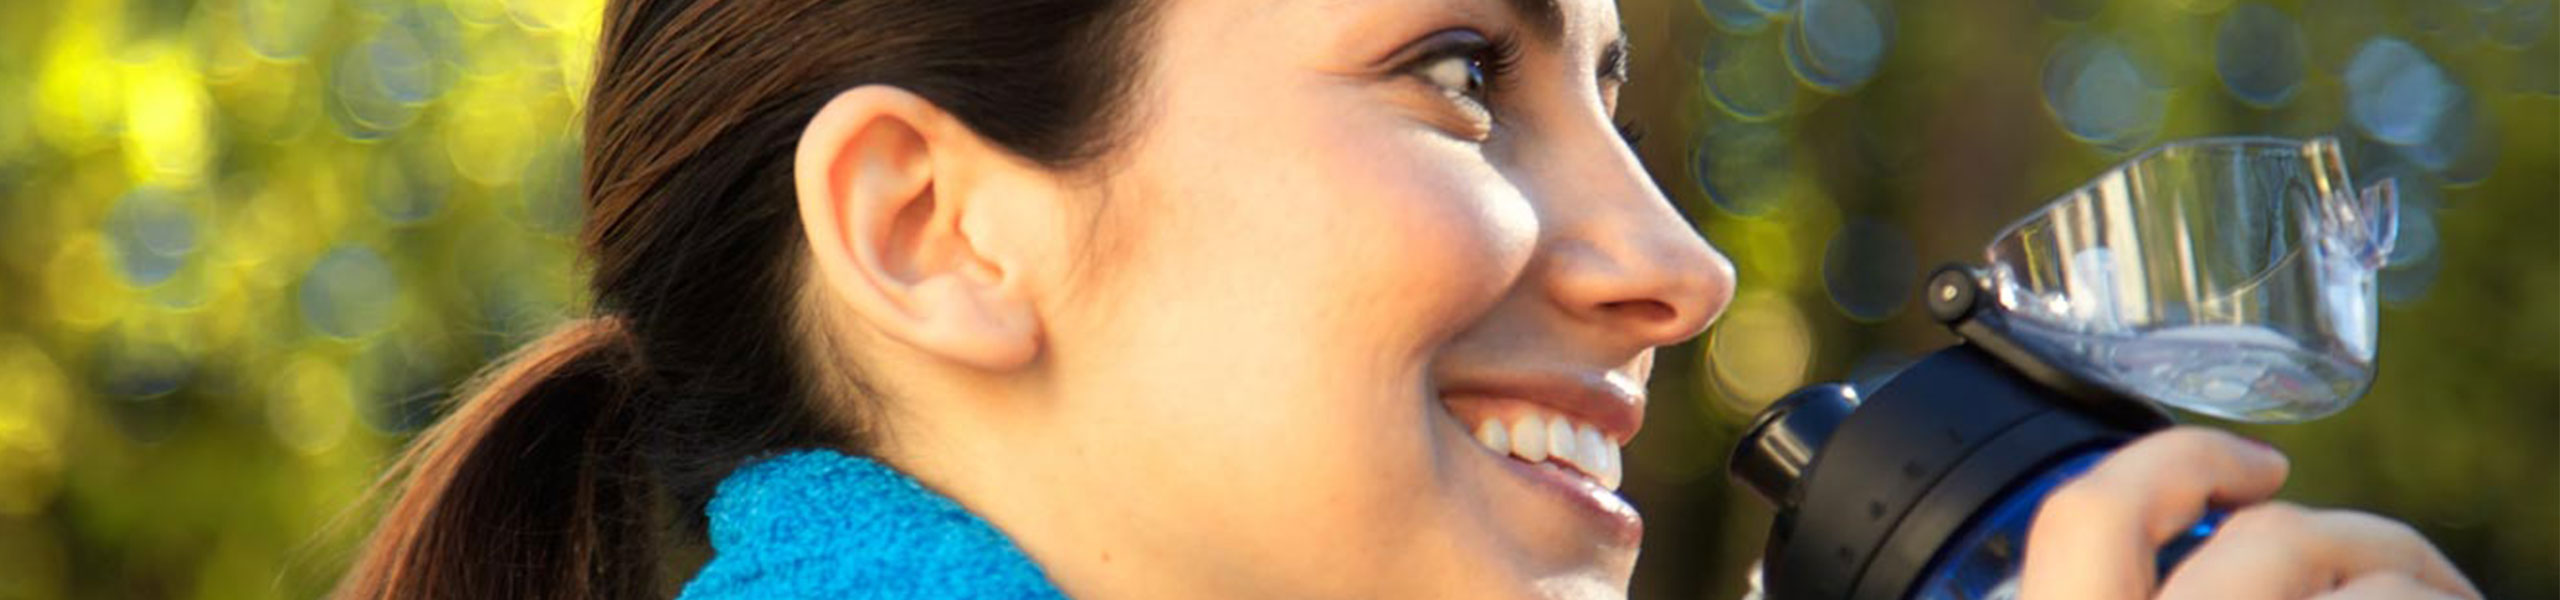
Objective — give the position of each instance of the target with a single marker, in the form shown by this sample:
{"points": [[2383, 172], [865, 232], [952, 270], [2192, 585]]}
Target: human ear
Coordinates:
{"points": [[887, 185]]}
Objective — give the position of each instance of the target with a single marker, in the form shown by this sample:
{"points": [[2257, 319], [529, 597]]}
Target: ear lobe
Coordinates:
{"points": [[883, 182]]}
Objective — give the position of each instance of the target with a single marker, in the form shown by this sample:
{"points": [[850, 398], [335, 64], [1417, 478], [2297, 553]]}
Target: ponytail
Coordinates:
{"points": [[578, 465], [530, 488]]}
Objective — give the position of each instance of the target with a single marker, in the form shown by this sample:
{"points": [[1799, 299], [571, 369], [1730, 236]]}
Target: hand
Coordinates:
{"points": [[2097, 536]]}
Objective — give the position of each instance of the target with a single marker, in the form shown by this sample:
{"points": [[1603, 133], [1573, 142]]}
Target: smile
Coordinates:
{"points": [[1534, 437], [1575, 421], [1560, 434]]}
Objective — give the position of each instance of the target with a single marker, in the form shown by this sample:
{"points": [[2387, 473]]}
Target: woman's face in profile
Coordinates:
{"points": [[1342, 240]]}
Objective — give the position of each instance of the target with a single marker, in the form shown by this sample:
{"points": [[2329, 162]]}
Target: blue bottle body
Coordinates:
{"points": [[1983, 562]]}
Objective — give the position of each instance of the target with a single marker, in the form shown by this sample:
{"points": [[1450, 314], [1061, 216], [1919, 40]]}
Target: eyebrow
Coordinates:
{"points": [[1546, 17]]}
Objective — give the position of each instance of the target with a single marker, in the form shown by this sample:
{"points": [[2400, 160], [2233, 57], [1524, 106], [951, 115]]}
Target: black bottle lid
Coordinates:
{"points": [[1783, 440]]}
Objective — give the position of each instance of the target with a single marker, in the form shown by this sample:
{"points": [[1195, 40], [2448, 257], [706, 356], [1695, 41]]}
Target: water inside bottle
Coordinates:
{"points": [[2228, 277], [2240, 372], [2291, 343]]}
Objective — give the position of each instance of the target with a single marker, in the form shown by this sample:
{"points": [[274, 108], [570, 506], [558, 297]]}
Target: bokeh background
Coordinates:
{"points": [[247, 245]]}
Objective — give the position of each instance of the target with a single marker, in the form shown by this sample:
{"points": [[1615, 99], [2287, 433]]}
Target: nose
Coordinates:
{"points": [[1619, 257]]}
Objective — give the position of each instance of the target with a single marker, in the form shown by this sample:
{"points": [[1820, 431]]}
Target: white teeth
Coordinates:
{"points": [[1536, 438], [1560, 440], [1529, 439], [1594, 453], [1613, 466], [1493, 436]]}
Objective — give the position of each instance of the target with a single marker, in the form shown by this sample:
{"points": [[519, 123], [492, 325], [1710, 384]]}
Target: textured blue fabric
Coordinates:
{"points": [[820, 524]]}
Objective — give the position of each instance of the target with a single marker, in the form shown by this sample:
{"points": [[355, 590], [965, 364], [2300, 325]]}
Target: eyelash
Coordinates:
{"points": [[1493, 59], [1488, 60], [1498, 57]]}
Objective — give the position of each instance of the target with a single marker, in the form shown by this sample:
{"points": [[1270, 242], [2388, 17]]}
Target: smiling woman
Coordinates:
{"points": [[1240, 326], [1105, 299]]}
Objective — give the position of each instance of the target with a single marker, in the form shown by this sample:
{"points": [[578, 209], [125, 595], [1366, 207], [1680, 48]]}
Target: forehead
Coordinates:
{"points": [[1573, 25]]}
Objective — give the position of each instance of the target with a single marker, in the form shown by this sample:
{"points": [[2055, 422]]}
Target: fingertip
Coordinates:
{"points": [[2388, 584], [2260, 468], [2266, 451]]}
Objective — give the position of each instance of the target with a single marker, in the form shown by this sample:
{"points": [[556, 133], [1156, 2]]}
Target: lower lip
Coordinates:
{"points": [[1603, 509]]}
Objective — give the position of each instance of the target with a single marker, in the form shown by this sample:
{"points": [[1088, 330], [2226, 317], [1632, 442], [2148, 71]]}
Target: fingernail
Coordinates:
{"points": [[2265, 448]]}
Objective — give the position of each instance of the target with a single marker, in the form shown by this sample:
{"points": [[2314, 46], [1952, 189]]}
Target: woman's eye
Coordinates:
{"points": [[1468, 69], [1458, 75]]}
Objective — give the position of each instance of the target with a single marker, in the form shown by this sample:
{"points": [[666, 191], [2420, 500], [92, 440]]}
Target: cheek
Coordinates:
{"points": [[1384, 256], [1369, 234], [1417, 243], [1270, 327], [1348, 267]]}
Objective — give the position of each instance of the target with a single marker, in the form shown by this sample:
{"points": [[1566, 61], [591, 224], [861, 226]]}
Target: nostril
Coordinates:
{"points": [[1646, 312]]}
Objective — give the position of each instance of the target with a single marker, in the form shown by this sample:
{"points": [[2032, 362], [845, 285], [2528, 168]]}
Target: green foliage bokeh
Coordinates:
{"points": [[248, 246]]}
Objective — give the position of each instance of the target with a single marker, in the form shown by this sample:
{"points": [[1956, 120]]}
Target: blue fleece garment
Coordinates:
{"points": [[820, 524]]}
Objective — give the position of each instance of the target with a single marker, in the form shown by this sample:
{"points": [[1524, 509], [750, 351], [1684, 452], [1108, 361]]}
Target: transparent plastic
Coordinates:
{"points": [[2232, 277]]}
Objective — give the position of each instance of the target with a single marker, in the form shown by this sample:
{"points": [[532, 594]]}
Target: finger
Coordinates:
{"points": [[2263, 551], [2096, 536], [2177, 474], [2279, 550], [2362, 543], [2387, 586]]}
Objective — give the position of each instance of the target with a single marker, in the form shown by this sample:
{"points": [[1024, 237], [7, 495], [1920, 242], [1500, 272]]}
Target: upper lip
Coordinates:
{"points": [[1610, 402]]}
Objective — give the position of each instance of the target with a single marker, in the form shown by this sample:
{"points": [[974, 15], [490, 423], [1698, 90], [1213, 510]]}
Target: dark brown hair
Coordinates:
{"points": [[578, 466]]}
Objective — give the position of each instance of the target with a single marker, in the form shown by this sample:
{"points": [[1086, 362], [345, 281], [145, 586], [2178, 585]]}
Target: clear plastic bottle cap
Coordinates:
{"points": [[2232, 277]]}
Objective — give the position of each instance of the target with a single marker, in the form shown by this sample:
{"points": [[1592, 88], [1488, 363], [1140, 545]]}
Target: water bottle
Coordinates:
{"points": [[2227, 277]]}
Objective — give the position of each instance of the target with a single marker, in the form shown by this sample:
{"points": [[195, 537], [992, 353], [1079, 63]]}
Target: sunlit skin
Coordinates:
{"points": [[1232, 386], [1218, 363]]}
